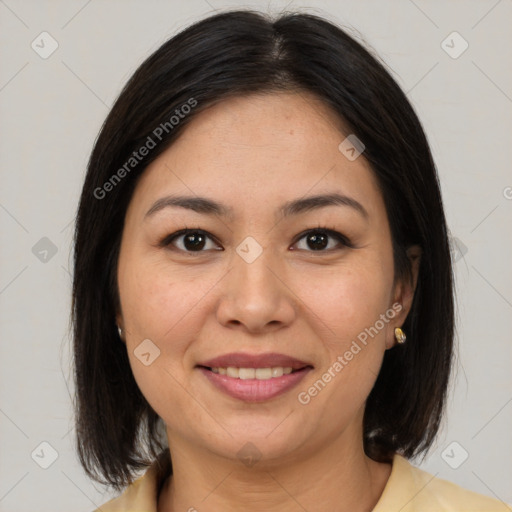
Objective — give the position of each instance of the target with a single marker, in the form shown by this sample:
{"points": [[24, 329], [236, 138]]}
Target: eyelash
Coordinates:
{"points": [[342, 239]]}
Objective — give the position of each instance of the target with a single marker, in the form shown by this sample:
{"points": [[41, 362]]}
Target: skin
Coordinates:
{"points": [[306, 303]]}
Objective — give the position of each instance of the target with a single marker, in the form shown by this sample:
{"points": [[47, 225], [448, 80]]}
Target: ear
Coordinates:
{"points": [[403, 293]]}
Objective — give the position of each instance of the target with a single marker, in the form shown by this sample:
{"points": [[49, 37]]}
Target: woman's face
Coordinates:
{"points": [[260, 277]]}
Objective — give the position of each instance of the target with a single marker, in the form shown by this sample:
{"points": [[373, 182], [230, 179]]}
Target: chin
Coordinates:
{"points": [[264, 440]]}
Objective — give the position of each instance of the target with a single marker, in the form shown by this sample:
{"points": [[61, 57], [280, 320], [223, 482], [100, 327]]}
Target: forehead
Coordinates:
{"points": [[249, 150], [272, 121]]}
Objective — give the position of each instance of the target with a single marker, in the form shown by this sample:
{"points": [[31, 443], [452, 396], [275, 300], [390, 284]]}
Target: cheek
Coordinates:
{"points": [[155, 300], [348, 305], [345, 302], [167, 307], [164, 310]]}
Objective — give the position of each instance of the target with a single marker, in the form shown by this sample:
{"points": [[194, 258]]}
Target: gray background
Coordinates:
{"points": [[51, 110]]}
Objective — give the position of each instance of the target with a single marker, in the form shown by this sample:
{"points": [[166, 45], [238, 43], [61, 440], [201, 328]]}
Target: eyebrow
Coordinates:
{"points": [[207, 206]]}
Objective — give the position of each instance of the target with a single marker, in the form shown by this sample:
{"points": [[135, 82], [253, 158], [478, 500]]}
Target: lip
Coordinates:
{"points": [[245, 360], [254, 390]]}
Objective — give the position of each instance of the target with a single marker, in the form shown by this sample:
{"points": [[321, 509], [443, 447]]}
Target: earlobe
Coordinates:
{"points": [[404, 295]]}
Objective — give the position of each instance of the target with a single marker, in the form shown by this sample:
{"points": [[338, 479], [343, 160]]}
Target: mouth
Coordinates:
{"points": [[254, 373], [254, 378]]}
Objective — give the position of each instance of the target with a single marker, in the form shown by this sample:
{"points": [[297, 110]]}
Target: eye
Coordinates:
{"points": [[196, 240], [318, 239], [188, 240]]}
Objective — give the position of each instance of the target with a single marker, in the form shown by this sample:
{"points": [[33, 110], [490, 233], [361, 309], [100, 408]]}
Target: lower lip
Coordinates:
{"points": [[255, 390]]}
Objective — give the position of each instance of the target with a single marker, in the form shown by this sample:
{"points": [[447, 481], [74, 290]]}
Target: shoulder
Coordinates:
{"points": [[410, 489], [142, 494]]}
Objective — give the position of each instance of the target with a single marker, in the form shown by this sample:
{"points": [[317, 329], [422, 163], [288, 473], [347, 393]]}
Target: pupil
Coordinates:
{"points": [[189, 243], [315, 238]]}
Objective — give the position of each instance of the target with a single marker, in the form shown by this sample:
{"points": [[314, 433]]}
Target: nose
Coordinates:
{"points": [[256, 297]]}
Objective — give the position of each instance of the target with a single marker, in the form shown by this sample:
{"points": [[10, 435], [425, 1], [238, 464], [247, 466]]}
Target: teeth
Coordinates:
{"points": [[243, 373], [232, 372], [278, 371], [253, 373], [263, 373]]}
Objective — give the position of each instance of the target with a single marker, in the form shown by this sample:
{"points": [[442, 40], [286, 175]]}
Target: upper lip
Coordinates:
{"points": [[244, 360]]}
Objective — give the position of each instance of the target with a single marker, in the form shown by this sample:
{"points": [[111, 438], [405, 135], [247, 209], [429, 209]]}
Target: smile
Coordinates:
{"points": [[253, 373], [254, 377]]}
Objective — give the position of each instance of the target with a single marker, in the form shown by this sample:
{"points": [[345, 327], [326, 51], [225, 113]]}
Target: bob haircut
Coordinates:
{"points": [[237, 53]]}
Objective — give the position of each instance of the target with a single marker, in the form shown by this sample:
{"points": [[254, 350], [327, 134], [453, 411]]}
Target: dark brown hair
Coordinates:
{"points": [[238, 53]]}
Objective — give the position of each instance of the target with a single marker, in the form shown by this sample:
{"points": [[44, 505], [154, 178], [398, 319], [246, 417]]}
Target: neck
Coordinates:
{"points": [[338, 477]]}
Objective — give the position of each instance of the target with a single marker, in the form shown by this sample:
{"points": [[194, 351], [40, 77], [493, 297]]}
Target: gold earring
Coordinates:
{"points": [[400, 335]]}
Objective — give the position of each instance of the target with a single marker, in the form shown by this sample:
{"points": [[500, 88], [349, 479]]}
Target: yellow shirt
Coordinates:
{"points": [[409, 489]]}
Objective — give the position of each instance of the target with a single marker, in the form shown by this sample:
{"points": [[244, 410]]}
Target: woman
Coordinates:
{"points": [[262, 301]]}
